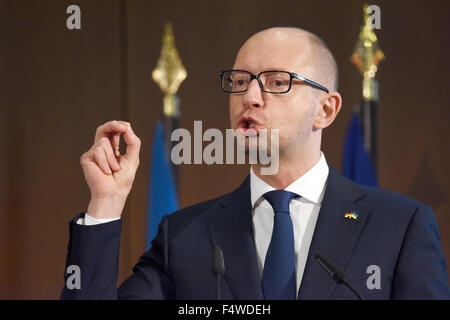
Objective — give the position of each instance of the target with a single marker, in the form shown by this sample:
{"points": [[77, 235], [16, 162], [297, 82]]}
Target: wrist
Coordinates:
{"points": [[106, 208]]}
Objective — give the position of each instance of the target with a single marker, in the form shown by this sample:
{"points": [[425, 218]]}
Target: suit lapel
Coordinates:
{"points": [[334, 236], [232, 229], [230, 225]]}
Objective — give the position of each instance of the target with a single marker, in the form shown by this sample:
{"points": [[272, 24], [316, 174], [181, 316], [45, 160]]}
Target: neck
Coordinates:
{"points": [[289, 170]]}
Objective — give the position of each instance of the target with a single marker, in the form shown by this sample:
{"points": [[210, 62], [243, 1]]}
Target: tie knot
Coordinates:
{"points": [[279, 200]]}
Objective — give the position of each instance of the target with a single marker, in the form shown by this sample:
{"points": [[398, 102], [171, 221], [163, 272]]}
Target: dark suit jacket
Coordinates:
{"points": [[393, 232]]}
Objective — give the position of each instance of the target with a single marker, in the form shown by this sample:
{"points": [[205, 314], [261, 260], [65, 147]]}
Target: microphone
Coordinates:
{"points": [[218, 268], [335, 273]]}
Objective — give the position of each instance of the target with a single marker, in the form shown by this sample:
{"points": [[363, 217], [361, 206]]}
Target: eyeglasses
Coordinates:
{"points": [[236, 81]]}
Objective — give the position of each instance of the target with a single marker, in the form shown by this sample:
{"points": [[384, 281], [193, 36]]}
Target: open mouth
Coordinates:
{"points": [[249, 126]]}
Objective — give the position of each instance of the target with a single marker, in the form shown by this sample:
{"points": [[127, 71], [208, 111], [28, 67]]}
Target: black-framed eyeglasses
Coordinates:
{"points": [[273, 81]]}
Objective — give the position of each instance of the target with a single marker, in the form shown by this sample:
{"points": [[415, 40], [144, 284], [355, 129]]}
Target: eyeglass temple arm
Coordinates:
{"points": [[311, 82]]}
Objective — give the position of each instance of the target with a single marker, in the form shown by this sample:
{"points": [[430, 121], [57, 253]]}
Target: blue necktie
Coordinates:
{"points": [[279, 267]]}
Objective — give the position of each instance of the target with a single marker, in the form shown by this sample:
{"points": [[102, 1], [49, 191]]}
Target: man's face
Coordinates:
{"points": [[293, 112]]}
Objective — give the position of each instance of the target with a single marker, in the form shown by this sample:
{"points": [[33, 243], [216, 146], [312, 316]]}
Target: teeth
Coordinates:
{"points": [[249, 124]]}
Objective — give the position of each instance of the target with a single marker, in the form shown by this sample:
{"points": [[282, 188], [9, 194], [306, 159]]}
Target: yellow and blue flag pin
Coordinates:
{"points": [[351, 215]]}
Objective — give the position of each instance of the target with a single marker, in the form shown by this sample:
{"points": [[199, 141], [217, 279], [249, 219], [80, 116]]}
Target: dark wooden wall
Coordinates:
{"points": [[57, 86]]}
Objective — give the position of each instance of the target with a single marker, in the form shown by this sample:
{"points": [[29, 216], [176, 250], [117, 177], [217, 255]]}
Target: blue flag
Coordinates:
{"points": [[163, 192], [356, 161]]}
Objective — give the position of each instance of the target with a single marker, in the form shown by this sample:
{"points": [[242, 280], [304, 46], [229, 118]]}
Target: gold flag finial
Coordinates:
{"points": [[169, 72], [366, 56]]}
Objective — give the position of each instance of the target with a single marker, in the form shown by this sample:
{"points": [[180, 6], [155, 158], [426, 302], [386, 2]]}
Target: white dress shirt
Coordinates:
{"points": [[90, 221], [304, 212]]}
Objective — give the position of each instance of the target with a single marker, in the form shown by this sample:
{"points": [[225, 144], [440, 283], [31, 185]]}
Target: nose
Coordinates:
{"points": [[253, 96]]}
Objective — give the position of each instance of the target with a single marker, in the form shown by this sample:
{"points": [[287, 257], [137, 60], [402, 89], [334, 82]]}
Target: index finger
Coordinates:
{"points": [[109, 129]]}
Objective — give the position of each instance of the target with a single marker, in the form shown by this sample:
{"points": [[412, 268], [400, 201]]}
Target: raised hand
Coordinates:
{"points": [[109, 174]]}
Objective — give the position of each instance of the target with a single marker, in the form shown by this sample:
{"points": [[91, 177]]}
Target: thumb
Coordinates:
{"points": [[133, 146]]}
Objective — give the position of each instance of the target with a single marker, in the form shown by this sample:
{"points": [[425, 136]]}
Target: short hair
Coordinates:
{"points": [[323, 62], [326, 69]]}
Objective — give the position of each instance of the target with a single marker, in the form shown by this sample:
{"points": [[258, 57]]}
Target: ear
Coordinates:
{"points": [[330, 105]]}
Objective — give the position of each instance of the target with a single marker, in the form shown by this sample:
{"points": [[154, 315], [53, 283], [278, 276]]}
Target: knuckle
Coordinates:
{"points": [[83, 157], [104, 141], [98, 151]]}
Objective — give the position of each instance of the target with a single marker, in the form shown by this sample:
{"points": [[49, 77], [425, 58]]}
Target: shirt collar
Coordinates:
{"points": [[309, 186]]}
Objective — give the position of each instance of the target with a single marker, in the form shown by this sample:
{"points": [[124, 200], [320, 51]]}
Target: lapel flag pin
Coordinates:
{"points": [[351, 215]]}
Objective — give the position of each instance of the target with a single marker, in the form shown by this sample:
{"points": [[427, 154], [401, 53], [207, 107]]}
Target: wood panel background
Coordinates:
{"points": [[58, 85]]}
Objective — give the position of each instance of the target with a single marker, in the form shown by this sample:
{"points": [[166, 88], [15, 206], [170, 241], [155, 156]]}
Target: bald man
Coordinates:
{"points": [[270, 228]]}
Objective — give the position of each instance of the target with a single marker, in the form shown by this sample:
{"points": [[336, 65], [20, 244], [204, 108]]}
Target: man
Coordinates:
{"points": [[272, 226]]}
